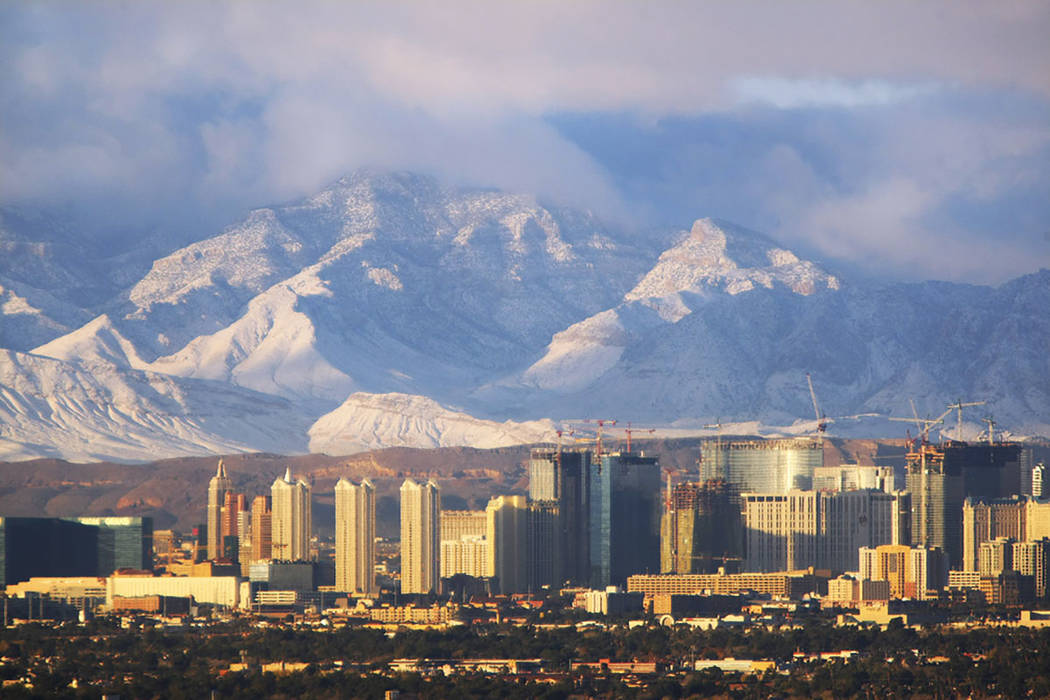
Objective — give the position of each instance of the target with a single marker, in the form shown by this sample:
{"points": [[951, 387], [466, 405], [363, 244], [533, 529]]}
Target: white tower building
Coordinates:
{"points": [[355, 525], [292, 519], [420, 537]]}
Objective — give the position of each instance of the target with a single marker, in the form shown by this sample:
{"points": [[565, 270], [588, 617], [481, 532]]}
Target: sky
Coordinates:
{"points": [[908, 140]]}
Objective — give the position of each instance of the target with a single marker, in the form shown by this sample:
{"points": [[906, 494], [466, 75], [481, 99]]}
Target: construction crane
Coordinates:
{"points": [[923, 424], [991, 429], [601, 423], [959, 405], [629, 430], [822, 420]]}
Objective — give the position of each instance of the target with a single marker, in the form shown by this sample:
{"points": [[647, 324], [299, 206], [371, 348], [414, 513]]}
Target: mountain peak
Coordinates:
{"points": [[717, 256]]}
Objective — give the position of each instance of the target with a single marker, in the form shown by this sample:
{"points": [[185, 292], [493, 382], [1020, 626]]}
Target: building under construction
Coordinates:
{"points": [[702, 529], [941, 477], [762, 466]]}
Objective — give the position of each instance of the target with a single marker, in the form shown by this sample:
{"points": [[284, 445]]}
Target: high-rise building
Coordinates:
{"points": [[1037, 519], [824, 529], [563, 478], [941, 477], [702, 528], [984, 521], [544, 558], [995, 556], [1031, 559], [1037, 479], [464, 546], [56, 547], [291, 519], [420, 537], [912, 571], [457, 524], [507, 527], [233, 506], [762, 466], [355, 518], [850, 477], [262, 529], [467, 556], [901, 518], [217, 488], [625, 514]]}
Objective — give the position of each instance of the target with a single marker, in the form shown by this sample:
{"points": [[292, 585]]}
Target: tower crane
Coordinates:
{"points": [[629, 430], [822, 420], [601, 422], [959, 405], [991, 429], [923, 424]]}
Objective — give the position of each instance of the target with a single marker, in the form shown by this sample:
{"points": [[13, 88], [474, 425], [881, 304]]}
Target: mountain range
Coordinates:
{"points": [[391, 309]]}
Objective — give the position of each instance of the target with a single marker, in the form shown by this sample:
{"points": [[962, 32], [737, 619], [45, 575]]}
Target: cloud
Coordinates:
{"points": [[788, 115], [792, 94]]}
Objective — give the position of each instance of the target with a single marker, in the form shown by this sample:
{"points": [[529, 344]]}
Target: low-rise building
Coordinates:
{"points": [[611, 601], [434, 615], [224, 591], [782, 584]]}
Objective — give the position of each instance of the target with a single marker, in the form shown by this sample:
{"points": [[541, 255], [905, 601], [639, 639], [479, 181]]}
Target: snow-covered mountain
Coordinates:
{"points": [[96, 411], [373, 421], [410, 297]]}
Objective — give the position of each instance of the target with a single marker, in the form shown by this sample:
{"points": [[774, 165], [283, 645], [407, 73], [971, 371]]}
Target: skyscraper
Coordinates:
{"points": [[262, 529], [233, 506], [562, 477], [507, 533], [624, 518], [73, 546], [420, 537], [292, 520], [940, 478], [702, 528], [464, 545], [825, 529], [911, 571], [355, 524], [217, 488], [763, 466]]}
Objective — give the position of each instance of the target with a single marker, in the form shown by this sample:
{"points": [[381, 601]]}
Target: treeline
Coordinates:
{"points": [[898, 662]]}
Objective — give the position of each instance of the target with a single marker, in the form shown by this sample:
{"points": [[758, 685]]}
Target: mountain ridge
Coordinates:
{"points": [[510, 310]]}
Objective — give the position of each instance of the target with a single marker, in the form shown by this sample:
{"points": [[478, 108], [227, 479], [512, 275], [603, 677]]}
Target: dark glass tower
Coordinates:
{"points": [[940, 478], [560, 478], [73, 546], [624, 518]]}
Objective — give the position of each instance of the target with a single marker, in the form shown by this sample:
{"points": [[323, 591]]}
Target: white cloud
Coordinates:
{"points": [[166, 106], [792, 94]]}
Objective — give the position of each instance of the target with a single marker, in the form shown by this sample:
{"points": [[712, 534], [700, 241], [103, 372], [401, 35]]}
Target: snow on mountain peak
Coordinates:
{"points": [[372, 421], [96, 341], [708, 257]]}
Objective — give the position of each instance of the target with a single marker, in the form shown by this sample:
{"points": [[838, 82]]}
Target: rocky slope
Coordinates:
{"points": [[507, 309]]}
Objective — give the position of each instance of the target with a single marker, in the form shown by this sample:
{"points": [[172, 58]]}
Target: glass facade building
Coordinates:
{"points": [[561, 477], [73, 546], [624, 518], [763, 466]]}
